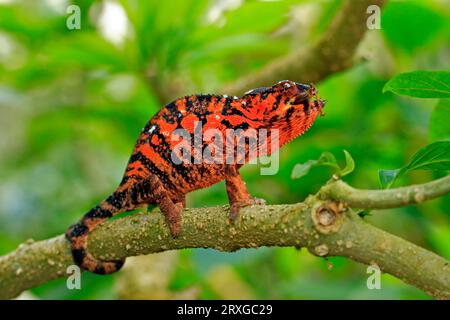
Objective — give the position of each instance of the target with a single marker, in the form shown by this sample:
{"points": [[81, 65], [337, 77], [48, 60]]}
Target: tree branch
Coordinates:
{"points": [[383, 199], [325, 226], [332, 53]]}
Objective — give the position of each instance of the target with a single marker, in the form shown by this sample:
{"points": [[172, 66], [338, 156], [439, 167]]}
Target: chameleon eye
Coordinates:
{"points": [[302, 86], [257, 91], [284, 83]]}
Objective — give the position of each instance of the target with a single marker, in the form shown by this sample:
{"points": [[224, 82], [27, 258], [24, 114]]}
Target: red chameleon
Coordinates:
{"points": [[152, 177]]}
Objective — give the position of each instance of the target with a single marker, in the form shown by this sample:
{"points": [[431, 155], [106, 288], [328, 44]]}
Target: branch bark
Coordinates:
{"points": [[322, 223], [332, 53]]}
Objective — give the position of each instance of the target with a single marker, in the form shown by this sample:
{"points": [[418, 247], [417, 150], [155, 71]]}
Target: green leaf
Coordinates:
{"points": [[435, 156], [387, 177], [326, 159], [349, 164], [421, 84], [439, 125], [302, 169]]}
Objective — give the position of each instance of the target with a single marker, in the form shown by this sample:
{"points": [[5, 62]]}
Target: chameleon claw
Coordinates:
{"points": [[258, 201], [175, 229]]}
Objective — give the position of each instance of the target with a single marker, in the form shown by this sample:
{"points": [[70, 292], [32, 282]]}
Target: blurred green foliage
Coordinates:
{"points": [[72, 103]]}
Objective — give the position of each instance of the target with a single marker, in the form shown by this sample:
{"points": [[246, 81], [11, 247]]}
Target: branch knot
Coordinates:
{"points": [[327, 217]]}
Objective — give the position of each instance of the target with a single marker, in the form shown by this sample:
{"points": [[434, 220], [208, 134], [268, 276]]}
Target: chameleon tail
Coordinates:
{"points": [[79, 232]]}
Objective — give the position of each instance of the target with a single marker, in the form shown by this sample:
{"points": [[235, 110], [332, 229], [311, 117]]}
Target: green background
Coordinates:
{"points": [[72, 103]]}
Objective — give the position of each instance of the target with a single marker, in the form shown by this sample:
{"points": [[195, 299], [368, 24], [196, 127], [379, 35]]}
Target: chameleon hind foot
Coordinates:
{"points": [[172, 212]]}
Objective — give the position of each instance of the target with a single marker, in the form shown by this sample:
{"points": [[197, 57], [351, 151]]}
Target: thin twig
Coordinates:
{"points": [[391, 198]]}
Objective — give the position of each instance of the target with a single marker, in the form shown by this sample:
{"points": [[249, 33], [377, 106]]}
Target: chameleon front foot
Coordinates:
{"points": [[235, 207]]}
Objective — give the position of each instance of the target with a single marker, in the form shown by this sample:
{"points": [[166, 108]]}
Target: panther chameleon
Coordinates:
{"points": [[152, 177]]}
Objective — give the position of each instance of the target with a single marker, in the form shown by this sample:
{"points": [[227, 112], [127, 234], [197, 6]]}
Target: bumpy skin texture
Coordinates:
{"points": [[152, 177]]}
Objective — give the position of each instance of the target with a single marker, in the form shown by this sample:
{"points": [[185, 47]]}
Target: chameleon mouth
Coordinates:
{"points": [[320, 104], [317, 102], [301, 99], [314, 101]]}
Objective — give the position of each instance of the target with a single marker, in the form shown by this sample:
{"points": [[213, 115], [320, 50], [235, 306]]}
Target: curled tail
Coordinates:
{"points": [[78, 234]]}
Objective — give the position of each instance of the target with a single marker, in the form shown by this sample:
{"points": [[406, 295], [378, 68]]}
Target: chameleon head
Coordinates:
{"points": [[296, 96], [289, 106]]}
